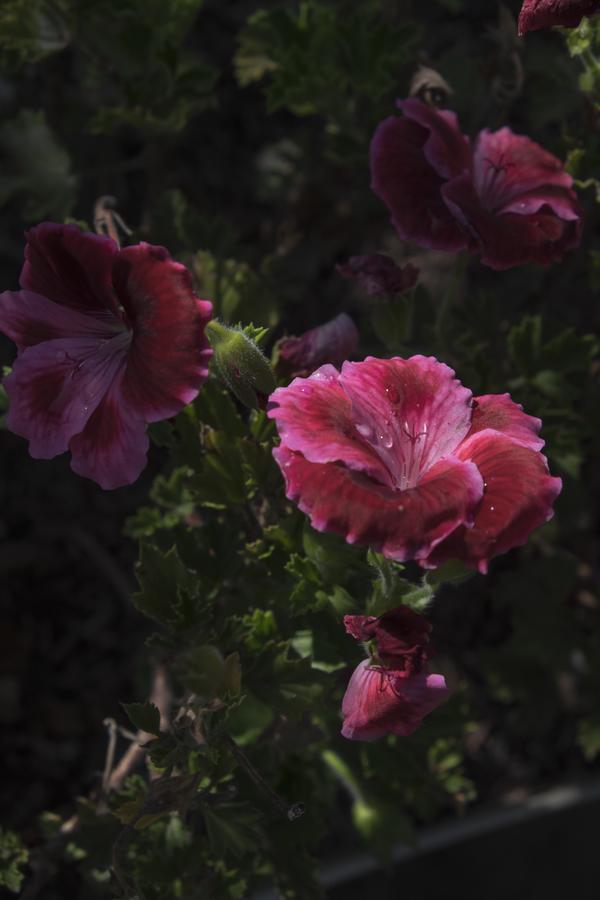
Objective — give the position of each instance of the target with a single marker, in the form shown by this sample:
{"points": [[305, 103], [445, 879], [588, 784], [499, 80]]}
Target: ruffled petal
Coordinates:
{"points": [[501, 413], [332, 342], [70, 267], [509, 239], [29, 319], [169, 354], [400, 524], [55, 387], [518, 497], [379, 702], [446, 149], [407, 182], [314, 417], [413, 411], [112, 447], [536, 14]]}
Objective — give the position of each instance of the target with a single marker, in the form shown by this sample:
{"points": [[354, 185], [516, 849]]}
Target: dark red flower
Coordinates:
{"points": [[402, 637], [537, 14], [378, 275], [398, 455], [507, 198], [332, 342], [107, 340]]}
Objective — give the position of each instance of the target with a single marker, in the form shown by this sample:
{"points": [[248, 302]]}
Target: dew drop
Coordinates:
{"points": [[492, 508], [365, 430]]}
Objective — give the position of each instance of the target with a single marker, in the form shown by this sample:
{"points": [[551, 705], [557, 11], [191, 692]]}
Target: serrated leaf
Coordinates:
{"points": [[145, 716]]}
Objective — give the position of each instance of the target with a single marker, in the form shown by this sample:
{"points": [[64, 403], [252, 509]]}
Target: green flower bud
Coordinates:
{"points": [[240, 364]]}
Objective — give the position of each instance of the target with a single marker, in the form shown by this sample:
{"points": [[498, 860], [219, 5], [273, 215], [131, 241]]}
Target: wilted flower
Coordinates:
{"points": [[332, 342], [379, 276], [108, 340], [398, 455], [537, 14], [392, 692], [506, 198]]}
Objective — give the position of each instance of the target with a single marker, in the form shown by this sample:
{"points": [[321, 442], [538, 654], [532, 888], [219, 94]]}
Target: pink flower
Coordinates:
{"points": [[332, 342], [398, 455], [107, 340], [507, 198], [392, 698], [537, 14], [378, 275]]}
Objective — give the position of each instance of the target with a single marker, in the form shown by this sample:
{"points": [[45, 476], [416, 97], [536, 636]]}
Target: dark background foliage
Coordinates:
{"points": [[237, 134]]}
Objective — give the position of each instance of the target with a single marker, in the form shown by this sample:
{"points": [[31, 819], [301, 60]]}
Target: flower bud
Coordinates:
{"points": [[240, 364]]}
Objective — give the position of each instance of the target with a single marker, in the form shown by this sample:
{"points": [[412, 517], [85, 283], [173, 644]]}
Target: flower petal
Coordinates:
{"points": [[169, 354], [400, 524], [378, 275], [501, 413], [447, 149], [70, 267], [332, 342], [402, 637], [55, 386], [314, 417], [29, 319], [518, 496], [537, 14], [407, 182], [379, 702], [413, 411], [112, 447]]}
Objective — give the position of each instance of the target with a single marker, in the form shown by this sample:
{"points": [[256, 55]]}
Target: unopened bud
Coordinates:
{"points": [[240, 364]]}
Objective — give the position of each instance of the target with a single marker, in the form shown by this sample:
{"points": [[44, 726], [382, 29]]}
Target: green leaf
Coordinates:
{"points": [[145, 716], [13, 856], [163, 579], [233, 829]]}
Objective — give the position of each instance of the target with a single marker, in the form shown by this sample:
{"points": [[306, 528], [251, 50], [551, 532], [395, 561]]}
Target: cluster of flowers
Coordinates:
{"points": [[394, 454]]}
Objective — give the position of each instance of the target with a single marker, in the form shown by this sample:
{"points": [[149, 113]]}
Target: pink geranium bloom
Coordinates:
{"points": [[332, 342], [506, 198], [393, 692], [398, 455], [107, 340], [537, 14]]}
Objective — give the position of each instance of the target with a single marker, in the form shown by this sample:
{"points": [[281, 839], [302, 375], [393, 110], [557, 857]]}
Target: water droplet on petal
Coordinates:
{"points": [[365, 430]]}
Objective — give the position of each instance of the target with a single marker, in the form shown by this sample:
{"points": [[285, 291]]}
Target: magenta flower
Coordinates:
{"points": [[396, 454], [107, 340], [378, 275], [392, 692], [332, 342], [507, 198], [537, 14]]}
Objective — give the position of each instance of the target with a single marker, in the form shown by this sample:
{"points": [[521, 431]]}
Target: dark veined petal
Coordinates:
{"points": [[332, 342], [518, 497], [378, 275], [537, 14], [501, 413], [169, 354], [55, 387], [402, 637], [400, 524]]}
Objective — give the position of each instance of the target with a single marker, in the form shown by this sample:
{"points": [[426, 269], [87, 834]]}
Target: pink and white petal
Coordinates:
{"points": [[314, 417], [403, 177], [413, 412], [29, 319], [112, 448], [55, 386], [501, 413], [507, 165], [378, 702], [71, 267], [169, 354], [400, 524], [519, 494], [446, 149], [536, 14]]}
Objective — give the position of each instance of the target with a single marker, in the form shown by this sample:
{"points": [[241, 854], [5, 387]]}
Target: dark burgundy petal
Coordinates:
{"points": [[400, 524], [332, 342], [378, 275], [537, 14], [70, 267], [314, 417], [510, 239], [169, 354], [54, 388], [379, 702], [402, 637], [446, 149], [499, 412], [407, 182], [29, 319], [112, 447], [518, 497], [362, 628]]}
